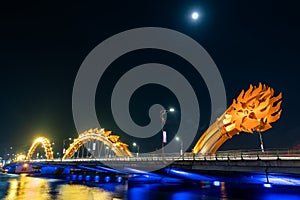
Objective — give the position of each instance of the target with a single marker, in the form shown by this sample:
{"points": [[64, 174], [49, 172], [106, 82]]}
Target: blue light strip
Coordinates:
{"points": [[189, 175], [111, 170], [90, 168]]}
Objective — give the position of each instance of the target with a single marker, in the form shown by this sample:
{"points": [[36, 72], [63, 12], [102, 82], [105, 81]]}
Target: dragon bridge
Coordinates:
{"points": [[45, 144], [112, 141], [253, 110]]}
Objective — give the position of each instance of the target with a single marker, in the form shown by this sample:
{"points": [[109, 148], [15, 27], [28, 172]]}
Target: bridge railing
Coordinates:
{"points": [[277, 154]]}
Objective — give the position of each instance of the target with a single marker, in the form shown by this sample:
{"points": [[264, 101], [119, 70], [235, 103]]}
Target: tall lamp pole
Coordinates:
{"points": [[64, 141], [163, 117], [138, 149], [181, 145], [261, 142]]}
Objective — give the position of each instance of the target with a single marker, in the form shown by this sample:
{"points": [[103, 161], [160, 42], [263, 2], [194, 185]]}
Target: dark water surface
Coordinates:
{"points": [[15, 187]]}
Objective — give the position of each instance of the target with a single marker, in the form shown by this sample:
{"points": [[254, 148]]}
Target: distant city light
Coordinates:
{"points": [[195, 15]]}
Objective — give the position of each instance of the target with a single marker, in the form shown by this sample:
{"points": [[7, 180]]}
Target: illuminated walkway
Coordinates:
{"points": [[247, 161]]}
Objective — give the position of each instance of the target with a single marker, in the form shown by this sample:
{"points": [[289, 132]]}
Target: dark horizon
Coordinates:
{"points": [[43, 45]]}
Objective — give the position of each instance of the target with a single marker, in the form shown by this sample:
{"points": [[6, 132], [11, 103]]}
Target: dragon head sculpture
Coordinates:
{"points": [[253, 110]]}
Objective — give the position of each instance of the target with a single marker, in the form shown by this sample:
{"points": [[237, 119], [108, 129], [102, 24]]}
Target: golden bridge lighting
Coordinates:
{"points": [[119, 148], [112, 141], [253, 110], [20, 157], [46, 145]]}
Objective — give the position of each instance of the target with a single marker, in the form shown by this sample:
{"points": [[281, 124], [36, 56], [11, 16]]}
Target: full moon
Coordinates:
{"points": [[195, 15]]}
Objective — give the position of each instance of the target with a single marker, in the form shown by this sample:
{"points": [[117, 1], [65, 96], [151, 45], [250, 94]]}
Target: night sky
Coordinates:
{"points": [[43, 43]]}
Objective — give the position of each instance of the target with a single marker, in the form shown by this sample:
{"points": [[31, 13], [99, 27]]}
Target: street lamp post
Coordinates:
{"points": [[138, 149], [261, 142], [106, 151], [64, 141], [163, 117], [181, 145], [53, 147]]}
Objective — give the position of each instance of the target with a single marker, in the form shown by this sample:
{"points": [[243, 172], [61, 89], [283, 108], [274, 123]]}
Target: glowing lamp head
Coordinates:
{"points": [[171, 110], [267, 185], [119, 179], [216, 183], [195, 15], [107, 179]]}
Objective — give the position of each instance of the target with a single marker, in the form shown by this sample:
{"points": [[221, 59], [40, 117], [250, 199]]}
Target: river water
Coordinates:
{"points": [[21, 187]]}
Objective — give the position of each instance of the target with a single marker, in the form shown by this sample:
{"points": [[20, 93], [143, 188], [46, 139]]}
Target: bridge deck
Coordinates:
{"points": [[251, 161]]}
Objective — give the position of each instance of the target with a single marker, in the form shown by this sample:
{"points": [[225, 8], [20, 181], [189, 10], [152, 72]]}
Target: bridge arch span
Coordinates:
{"points": [[46, 145], [112, 141]]}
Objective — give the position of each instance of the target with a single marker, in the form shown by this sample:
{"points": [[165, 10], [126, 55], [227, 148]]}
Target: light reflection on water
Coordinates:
{"points": [[29, 188]]}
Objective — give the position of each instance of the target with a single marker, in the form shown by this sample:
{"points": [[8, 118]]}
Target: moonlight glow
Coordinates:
{"points": [[195, 15]]}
